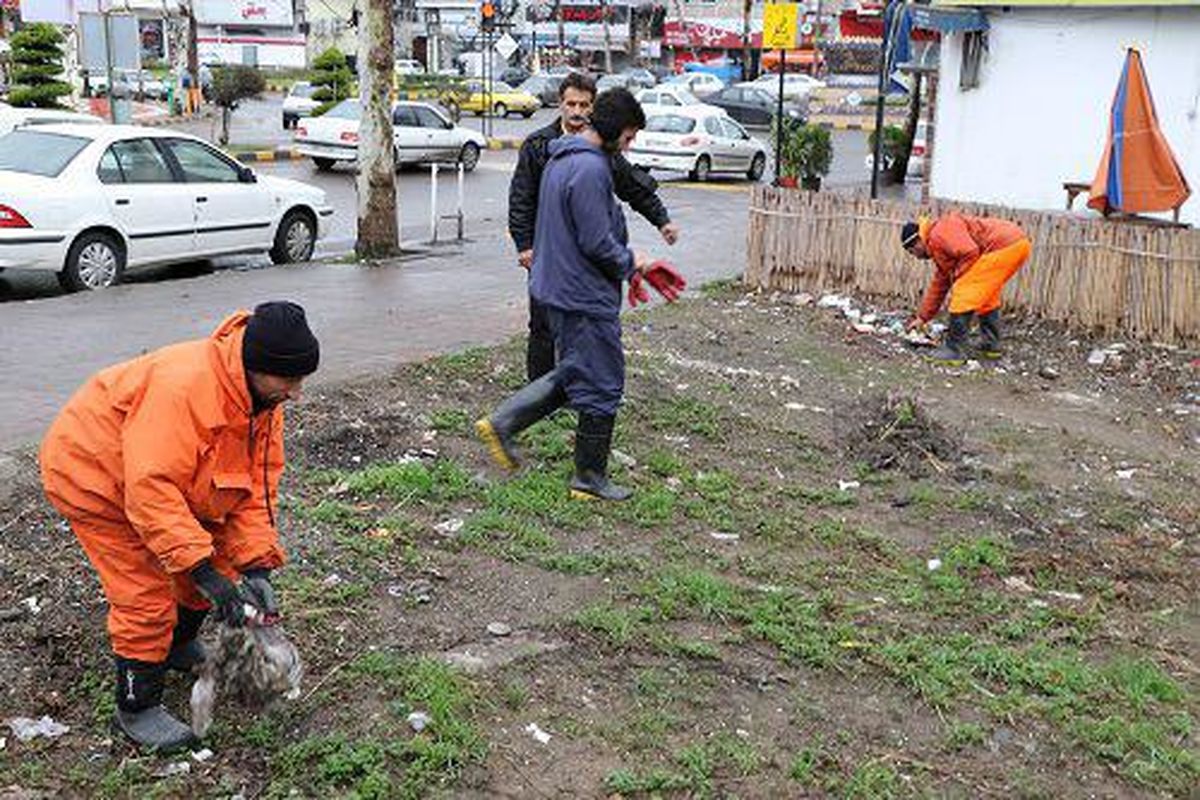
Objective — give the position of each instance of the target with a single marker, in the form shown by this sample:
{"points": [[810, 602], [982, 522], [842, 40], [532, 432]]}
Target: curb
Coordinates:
{"points": [[506, 142], [278, 154]]}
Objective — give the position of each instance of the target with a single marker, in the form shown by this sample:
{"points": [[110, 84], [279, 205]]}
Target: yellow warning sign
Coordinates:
{"points": [[779, 26]]}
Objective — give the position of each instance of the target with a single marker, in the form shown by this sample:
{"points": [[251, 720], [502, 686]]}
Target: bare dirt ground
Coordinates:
{"points": [[845, 573]]}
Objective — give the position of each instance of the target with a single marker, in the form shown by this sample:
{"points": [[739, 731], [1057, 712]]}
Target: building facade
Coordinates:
{"points": [[258, 33], [1028, 109]]}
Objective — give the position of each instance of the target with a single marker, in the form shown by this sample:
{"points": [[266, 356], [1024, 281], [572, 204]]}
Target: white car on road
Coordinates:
{"points": [[699, 140], [12, 117], [299, 103], [670, 95], [701, 84], [421, 134], [796, 86], [90, 201]]}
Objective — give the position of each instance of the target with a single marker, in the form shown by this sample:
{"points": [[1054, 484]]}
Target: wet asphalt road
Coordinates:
{"points": [[369, 318]]}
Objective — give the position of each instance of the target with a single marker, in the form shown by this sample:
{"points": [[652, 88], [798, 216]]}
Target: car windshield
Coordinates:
{"points": [[347, 109], [687, 98], [303, 90], [535, 84], [39, 153], [670, 123]]}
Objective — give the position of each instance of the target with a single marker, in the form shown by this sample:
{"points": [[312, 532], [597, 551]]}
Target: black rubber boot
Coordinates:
{"points": [[593, 443], [186, 651], [989, 335], [139, 714], [950, 352], [536, 400]]}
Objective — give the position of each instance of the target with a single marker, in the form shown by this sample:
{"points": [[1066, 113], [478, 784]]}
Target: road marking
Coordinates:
{"points": [[734, 188]]}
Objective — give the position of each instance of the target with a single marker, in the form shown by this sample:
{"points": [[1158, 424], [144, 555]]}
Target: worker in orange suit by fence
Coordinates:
{"points": [[973, 258], [167, 468]]}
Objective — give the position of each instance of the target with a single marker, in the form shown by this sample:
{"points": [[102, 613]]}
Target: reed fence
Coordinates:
{"points": [[1115, 278]]}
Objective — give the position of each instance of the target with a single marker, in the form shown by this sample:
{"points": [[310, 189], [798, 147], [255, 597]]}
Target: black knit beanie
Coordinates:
{"points": [[279, 342], [909, 234]]}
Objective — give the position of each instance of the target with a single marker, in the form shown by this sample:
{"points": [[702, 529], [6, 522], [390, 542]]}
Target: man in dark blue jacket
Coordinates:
{"points": [[580, 259]]}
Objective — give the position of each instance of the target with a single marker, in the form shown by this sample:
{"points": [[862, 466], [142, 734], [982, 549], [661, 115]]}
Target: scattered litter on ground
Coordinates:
{"points": [[499, 629], [934, 564], [32, 604], [725, 537], [845, 486], [537, 733], [200, 756], [332, 579], [419, 721], [1072, 596], [25, 728], [173, 769], [1125, 474], [1018, 584], [449, 527], [624, 459], [1049, 373]]}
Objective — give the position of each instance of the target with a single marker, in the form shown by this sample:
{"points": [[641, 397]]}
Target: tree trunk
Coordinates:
{"points": [[607, 37], [378, 234], [900, 165], [225, 114]]}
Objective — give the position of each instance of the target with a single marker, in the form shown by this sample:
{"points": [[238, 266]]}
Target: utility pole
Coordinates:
{"points": [[378, 232], [561, 30], [607, 37], [747, 55], [193, 61]]}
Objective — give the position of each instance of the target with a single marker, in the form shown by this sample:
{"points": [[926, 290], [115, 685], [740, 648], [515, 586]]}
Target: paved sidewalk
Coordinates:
{"points": [[368, 318]]}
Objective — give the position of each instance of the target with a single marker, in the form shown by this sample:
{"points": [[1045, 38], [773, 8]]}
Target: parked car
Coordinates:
{"points": [[641, 78], [514, 76], [299, 103], [605, 82], [12, 117], [544, 88], [753, 107], [668, 94], [409, 66], [91, 201], [129, 85], [700, 140], [700, 84], [421, 132], [504, 100], [796, 87]]}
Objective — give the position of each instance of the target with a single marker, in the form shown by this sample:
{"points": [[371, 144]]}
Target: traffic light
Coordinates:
{"points": [[488, 15]]}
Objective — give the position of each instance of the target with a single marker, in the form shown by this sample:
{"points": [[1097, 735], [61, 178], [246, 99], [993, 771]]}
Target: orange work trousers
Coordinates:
{"points": [[978, 289], [142, 596]]}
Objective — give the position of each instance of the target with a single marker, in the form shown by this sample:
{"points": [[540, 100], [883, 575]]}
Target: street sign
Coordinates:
{"points": [[105, 35], [506, 46], [779, 26]]}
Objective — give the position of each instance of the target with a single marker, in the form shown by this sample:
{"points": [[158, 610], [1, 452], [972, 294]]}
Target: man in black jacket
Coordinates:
{"points": [[632, 185]]}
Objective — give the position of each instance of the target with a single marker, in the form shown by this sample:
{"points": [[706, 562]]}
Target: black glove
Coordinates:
{"points": [[227, 601], [256, 586]]}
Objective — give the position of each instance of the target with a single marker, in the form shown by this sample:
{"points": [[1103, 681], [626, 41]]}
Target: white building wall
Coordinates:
{"points": [[1040, 113]]}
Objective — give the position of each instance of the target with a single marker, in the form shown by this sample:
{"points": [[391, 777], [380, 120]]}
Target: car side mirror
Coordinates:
{"points": [[246, 175]]}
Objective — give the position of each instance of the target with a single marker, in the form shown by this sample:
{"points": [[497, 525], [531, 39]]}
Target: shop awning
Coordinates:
{"points": [[795, 58], [948, 20]]}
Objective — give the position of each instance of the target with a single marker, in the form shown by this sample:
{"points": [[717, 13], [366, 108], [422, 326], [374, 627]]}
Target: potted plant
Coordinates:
{"points": [[805, 156], [814, 155]]}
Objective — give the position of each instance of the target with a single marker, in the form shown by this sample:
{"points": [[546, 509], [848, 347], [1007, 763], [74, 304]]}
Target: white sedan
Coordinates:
{"points": [[90, 201], [796, 86], [701, 84], [670, 95], [421, 133], [699, 140], [12, 117]]}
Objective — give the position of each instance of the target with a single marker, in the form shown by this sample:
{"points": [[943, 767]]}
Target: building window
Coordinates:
{"points": [[974, 45]]}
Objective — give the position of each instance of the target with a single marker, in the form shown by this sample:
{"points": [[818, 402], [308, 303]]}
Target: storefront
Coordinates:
{"points": [[258, 33]]}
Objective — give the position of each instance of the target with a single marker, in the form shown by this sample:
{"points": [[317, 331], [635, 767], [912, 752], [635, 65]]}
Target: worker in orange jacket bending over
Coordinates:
{"points": [[167, 468], [973, 258]]}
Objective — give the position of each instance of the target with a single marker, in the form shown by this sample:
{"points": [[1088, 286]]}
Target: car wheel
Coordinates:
{"points": [[703, 169], [95, 261], [526, 114], [757, 167], [295, 239], [288, 122], [323, 164], [500, 110], [469, 156]]}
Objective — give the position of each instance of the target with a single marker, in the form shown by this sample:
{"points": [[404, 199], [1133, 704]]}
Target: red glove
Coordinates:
{"points": [[666, 280], [637, 291]]}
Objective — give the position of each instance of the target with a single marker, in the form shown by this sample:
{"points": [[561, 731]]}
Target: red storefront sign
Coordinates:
{"points": [[702, 36]]}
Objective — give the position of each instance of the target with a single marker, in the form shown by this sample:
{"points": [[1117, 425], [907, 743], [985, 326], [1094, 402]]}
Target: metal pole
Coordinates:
{"points": [[461, 171], [108, 64], [882, 87], [433, 203], [779, 115]]}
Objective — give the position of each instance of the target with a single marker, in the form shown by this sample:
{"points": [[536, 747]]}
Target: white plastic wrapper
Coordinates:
{"points": [[254, 665]]}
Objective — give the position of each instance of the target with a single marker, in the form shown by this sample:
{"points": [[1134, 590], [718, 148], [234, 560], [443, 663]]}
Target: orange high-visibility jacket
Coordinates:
{"points": [[167, 442], [955, 242]]}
